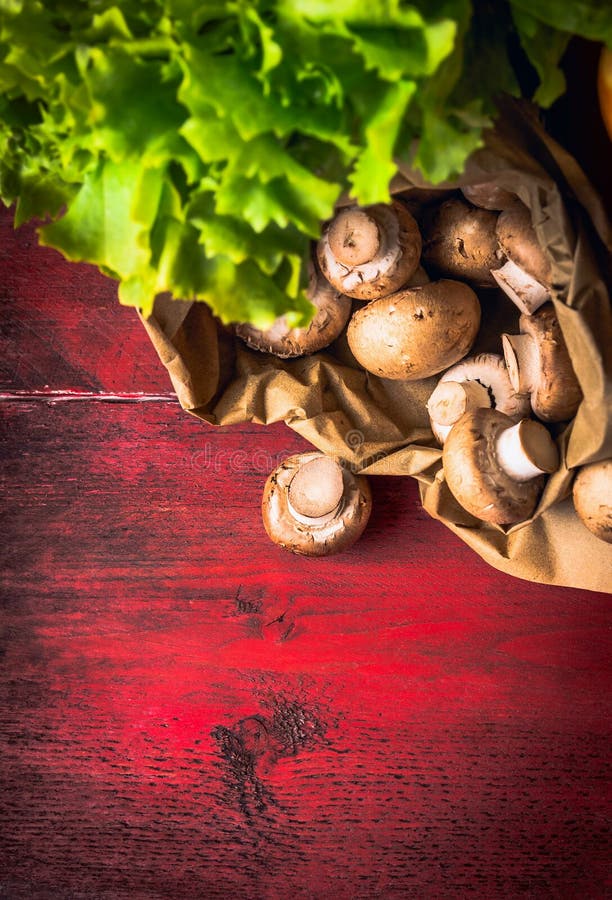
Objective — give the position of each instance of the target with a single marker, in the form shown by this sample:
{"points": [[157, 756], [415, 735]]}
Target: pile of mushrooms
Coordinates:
{"points": [[405, 294]]}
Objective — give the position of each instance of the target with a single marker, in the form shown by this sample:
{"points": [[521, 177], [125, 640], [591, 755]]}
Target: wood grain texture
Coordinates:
{"points": [[61, 326], [187, 711]]}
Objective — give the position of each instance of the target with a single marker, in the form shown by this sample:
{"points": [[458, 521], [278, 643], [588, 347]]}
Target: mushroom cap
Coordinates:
{"points": [[555, 391], [459, 241], [396, 257], [489, 370], [337, 533], [475, 477], [332, 314], [488, 195], [519, 242], [418, 278], [592, 494], [415, 332]]}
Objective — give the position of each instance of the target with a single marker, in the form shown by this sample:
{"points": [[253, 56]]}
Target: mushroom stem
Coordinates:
{"points": [[315, 492], [354, 237], [523, 289], [451, 399], [526, 450], [522, 361]]}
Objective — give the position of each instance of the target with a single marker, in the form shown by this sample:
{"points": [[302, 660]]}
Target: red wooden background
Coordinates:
{"points": [[189, 712]]}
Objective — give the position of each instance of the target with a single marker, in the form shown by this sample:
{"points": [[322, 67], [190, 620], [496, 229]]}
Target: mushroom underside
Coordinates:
{"points": [[314, 539], [487, 371], [331, 315], [395, 260], [475, 477]]}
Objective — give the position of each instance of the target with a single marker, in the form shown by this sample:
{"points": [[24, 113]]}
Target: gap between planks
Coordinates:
{"points": [[55, 396]]}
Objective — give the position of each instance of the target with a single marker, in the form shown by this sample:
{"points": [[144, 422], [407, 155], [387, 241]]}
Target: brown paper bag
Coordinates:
{"points": [[378, 426]]}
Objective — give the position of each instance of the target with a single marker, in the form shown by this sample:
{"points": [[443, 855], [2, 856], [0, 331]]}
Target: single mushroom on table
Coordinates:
{"points": [[539, 365], [415, 332], [495, 468], [313, 506], [488, 195], [459, 241], [592, 493], [368, 252], [525, 276], [332, 311], [477, 382]]}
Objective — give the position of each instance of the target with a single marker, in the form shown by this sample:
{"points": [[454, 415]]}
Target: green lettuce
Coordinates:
{"points": [[195, 147]]}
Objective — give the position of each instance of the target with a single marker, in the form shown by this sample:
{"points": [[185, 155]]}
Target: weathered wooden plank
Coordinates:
{"points": [[62, 327], [188, 711]]}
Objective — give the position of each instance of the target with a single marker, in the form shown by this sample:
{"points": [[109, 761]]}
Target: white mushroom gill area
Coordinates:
{"points": [[389, 252], [313, 521], [478, 382]]}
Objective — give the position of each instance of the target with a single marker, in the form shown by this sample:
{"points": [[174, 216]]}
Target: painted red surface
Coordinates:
{"points": [[62, 328], [187, 711], [190, 712]]}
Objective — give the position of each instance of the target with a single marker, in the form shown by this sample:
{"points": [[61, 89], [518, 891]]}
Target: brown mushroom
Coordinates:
{"points": [[418, 278], [459, 241], [371, 251], [539, 365], [476, 382], [332, 313], [525, 276], [592, 494], [488, 195], [415, 332], [313, 506], [495, 468]]}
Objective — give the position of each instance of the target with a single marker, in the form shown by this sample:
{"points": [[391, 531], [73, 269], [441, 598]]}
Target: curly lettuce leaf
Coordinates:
{"points": [[545, 28], [195, 148], [544, 47], [591, 19]]}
